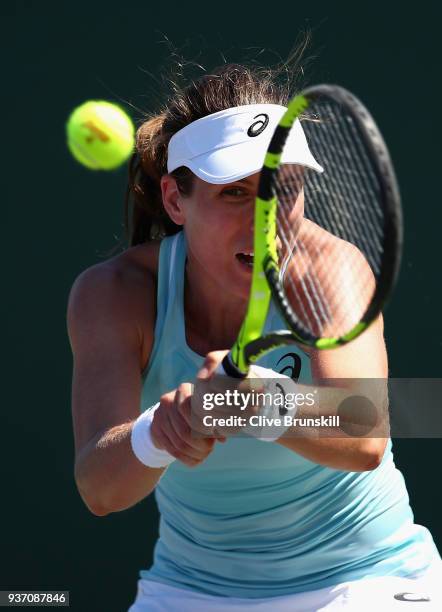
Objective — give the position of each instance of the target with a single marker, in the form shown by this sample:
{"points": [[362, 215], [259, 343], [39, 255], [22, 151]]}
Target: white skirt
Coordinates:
{"points": [[416, 593]]}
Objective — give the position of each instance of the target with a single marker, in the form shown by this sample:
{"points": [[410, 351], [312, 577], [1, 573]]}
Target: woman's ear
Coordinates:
{"points": [[172, 199]]}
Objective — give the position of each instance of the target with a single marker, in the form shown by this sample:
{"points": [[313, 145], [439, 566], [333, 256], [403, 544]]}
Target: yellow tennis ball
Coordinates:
{"points": [[100, 135]]}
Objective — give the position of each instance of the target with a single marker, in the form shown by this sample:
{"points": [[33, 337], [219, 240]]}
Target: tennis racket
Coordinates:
{"points": [[327, 247]]}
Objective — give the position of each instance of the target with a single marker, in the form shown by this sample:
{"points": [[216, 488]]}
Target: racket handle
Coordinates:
{"points": [[228, 368], [220, 371]]}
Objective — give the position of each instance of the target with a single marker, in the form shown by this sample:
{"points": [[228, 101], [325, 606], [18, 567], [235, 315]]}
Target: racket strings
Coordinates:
{"points": [[351, 175], [366, 186], [286, 255], [308, 296], [343, 187], [305, 293], [330, 260]]}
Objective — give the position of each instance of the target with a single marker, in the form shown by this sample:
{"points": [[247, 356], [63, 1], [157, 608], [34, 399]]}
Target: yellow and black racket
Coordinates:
{"points": [[327, 246]]}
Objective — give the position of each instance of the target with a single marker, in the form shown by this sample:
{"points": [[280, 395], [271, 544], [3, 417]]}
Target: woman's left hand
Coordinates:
{"points": [[215, 409]]}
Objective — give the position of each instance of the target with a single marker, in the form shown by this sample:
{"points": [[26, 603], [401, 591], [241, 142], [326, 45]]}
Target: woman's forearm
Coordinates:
{"points": [[354, 439], [109, 477], [349, 454]]}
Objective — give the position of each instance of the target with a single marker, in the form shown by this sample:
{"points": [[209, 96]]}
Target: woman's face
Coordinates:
{"points": [[218, 223]]}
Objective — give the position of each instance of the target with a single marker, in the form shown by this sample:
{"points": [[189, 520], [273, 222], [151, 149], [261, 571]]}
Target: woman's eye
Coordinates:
{"points": [[234, 191]]}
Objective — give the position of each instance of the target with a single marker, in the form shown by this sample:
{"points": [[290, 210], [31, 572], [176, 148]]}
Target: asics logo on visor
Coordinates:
{"points": [[258, 126]]}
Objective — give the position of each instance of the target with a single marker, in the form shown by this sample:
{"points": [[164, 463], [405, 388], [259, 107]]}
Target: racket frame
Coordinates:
{"points": [[251, 344]]}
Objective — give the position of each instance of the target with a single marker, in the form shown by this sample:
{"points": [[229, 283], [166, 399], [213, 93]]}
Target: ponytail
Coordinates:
{"points": [[145, 217]]}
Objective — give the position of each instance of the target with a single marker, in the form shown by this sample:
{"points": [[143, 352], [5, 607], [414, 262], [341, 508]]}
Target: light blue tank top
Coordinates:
{"points": [[256, 519]]}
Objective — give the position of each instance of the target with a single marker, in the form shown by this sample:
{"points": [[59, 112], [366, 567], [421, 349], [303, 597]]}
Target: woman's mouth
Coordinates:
{"points": [[245, 258]]}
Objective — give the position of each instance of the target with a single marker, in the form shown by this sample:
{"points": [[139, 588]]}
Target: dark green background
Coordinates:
{"points": [[61, 218]]}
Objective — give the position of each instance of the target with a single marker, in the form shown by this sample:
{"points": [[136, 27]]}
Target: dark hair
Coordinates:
{"points": [[225, 87]]}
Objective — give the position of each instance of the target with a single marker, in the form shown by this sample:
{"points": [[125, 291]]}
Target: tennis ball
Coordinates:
{"points": [[100, 135]]}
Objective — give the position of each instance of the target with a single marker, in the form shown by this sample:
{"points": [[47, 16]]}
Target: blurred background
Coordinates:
{"points": [[61, 218]]}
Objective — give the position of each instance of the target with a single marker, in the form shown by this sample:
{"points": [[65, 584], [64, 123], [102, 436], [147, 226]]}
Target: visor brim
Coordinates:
{"points": [[239, 161]]}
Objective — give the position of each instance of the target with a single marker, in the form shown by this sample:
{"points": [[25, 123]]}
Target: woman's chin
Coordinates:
{"points": [[245, 267], [242, 279]]}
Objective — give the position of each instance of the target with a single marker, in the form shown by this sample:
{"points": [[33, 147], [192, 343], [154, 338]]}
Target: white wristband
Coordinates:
{"points": [[276, 384], [142, 444]]}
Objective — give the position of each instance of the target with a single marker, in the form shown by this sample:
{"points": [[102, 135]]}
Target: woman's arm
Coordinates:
{"points": [[363, 358], [348, 290], [110, 323], [111, 317]]}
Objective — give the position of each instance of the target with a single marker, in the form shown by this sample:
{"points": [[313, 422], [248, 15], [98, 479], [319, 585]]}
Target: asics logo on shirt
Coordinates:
{"points": [[292, 367]]}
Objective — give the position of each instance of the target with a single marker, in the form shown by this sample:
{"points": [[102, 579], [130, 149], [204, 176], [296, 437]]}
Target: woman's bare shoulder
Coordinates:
{"points": [[119, 293], [134, 268], [316, 237]]}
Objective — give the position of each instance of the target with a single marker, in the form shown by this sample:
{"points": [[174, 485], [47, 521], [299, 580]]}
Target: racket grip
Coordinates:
{"points": [[228, 368], [220, 371]]}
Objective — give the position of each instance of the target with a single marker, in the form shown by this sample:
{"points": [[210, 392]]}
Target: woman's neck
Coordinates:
{"points": [[212, 315]]}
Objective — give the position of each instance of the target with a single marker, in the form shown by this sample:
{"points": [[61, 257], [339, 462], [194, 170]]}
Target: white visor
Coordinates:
{"points": [[230, 145]]}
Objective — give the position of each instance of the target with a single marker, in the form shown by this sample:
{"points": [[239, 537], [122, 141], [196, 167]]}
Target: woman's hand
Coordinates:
{"points": [[178, 425], [172, 429], [229, 415]]}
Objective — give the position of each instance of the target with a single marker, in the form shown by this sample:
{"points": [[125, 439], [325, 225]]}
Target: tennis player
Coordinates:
{"points": [[297, 524]]}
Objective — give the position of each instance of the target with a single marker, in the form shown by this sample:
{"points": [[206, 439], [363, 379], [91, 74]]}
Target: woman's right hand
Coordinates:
{"points": [[171, 428]]}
